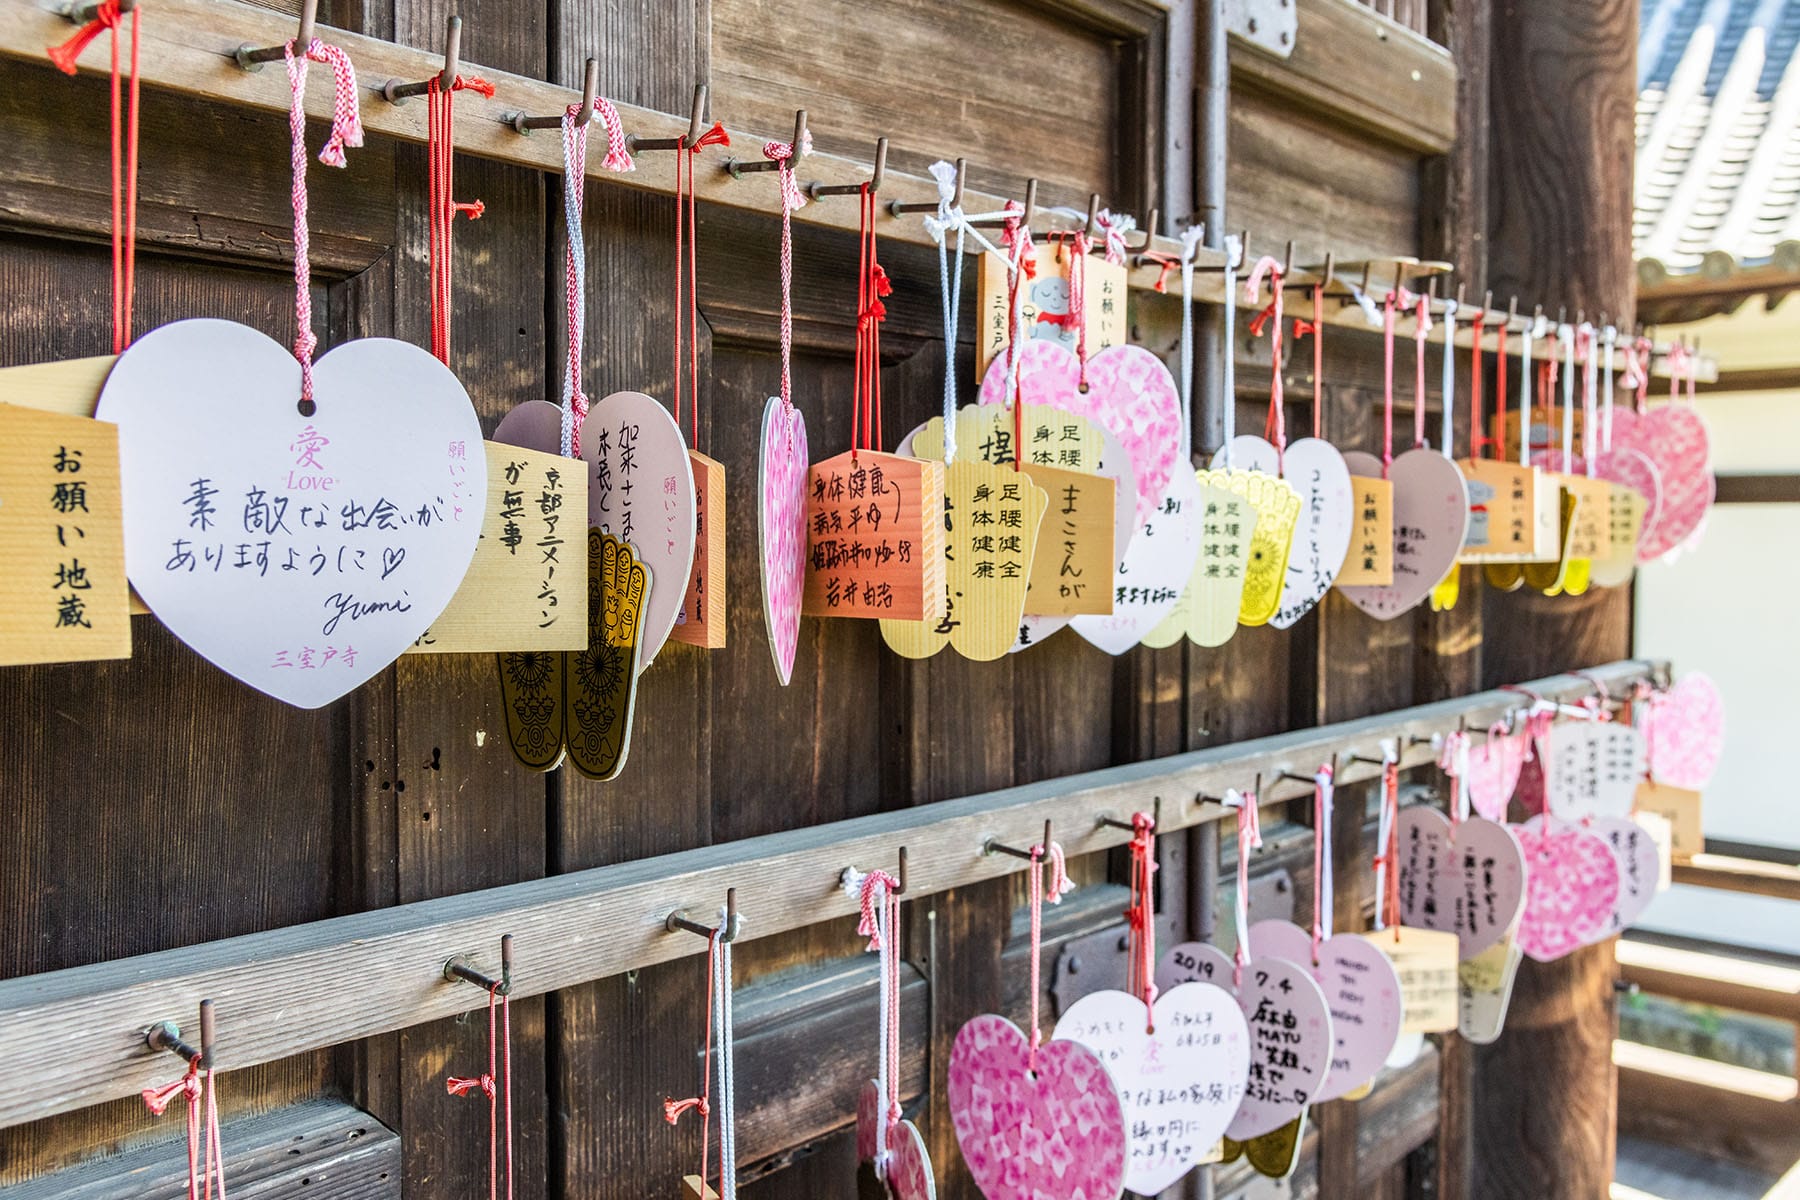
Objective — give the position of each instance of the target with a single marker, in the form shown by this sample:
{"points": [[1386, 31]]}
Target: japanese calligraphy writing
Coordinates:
{"points": [[875, 538]]}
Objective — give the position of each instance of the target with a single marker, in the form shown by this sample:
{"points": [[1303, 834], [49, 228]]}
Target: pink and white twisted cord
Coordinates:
{"points": [[792, 200], [574, 400], [1113, 227], [1249, 838], [346, 130], [617, 157]]}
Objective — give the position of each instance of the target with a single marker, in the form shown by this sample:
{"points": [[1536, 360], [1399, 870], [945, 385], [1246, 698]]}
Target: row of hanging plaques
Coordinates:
{"points": [[303, 524]]}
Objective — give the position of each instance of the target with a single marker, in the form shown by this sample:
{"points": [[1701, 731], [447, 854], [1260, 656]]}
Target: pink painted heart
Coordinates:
{"points": [[1362, 990], [1469, 881], [1180, 1075], [1129, 392], [1572, 885], [1636, 471], [1674, 437], [1316, 470], [1685, 732], [1291, 1039], [781, 526], [1639, 867], [1494, 766], [1054, 1133], [1431, 520]]}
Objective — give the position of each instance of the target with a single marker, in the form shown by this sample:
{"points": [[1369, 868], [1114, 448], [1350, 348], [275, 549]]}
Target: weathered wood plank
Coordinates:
{"points": [[279, 992]]}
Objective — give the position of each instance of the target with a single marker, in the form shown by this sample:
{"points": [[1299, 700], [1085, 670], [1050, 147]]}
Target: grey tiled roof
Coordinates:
{"points": [[1718, 134]]}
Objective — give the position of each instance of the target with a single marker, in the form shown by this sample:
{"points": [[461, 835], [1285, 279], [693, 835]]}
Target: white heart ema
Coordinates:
{"points": [[301, 554], [1639, 868], [1594, 769], [1181, 1084], [1431, 522], [1362, 989], [1153, 572], [1316, 470], [641, 490]]}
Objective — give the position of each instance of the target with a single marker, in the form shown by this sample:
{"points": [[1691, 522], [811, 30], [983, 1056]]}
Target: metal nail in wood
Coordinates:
{"points": [[900, 208], [395, 91], [251, 58], [166, 1036], [1031, 186], [590, 92], [1127, 826], [679, 922], [696, 126], [820, 190], [995, 847], [737, 168], [461, 967]]}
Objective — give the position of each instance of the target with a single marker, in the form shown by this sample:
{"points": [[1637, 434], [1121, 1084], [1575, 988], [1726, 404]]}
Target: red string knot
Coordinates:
{"points": [[458, 1085], [158, 1099], [64, 56], [673, 1109]]}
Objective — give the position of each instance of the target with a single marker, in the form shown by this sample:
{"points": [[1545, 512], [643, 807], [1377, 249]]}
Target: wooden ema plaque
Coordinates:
{"points": [[1044, 308], [1513, 512], [526, 587], [63, 596], [695, 1188], [875, 537], [1369, 562], [1681, 808], [1591, 535], [701, 621]]}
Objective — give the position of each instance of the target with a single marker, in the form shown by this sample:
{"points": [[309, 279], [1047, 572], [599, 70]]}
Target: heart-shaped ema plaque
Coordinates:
{"points": [[1291, 1038], [1572, 884], [907, 1170], [641, 490], [1316, 471], [1361, 989], [1431, 520], [1129, 392], [1640, 867], [300, 554], [1154, 571], [1470, 882], [1180, 1074], [1494, 766], [1207, 613], [1674, 438], [1594, 768], [1053, 1130], [781, 526], [1684, 732]]}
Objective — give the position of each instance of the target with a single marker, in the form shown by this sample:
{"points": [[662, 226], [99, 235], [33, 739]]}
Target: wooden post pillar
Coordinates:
{"points": [[1564, 88]]}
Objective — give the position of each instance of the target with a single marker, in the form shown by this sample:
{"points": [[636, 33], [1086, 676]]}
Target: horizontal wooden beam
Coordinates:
{"points": [[1748, 1117], [189, 48], [1358, 67], [1744, 487], [1716, 977], [1744, 875], [75, 1037]]}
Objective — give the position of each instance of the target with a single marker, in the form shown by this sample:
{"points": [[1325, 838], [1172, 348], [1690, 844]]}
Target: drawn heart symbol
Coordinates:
{"points": [[1572, 883], [641, 490], [1171, 1079], [1315, 470], [1431, 520], [1494, 766], [1279, 999], [1361, 989], [1056, 1133], [781, 527], [1470, 881], [1153, 573], [1685, 732], [909, 1174], [1594, 768], [1674, 438], [1129, 393], [1639, 867], [262, 537]]}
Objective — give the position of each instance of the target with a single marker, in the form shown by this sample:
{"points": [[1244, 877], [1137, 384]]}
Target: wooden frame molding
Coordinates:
{"points": [[76, 1036]]}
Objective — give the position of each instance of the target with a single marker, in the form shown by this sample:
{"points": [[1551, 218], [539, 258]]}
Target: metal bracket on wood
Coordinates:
{"points": [[1270, 25]]}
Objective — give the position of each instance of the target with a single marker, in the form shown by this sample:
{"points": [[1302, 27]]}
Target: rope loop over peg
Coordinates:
{"points": [[817, 190], [166, 1036], [394, 91], [802, 146], [696, 127], [590, 94], [83, 11], [900, 207], [460, 967], [252, 58], [679, 922], [1128, 827], [1243, 256], [994, 846]]}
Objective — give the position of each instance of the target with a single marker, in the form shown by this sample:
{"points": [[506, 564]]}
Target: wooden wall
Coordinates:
{"points": [[158, 804]]}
